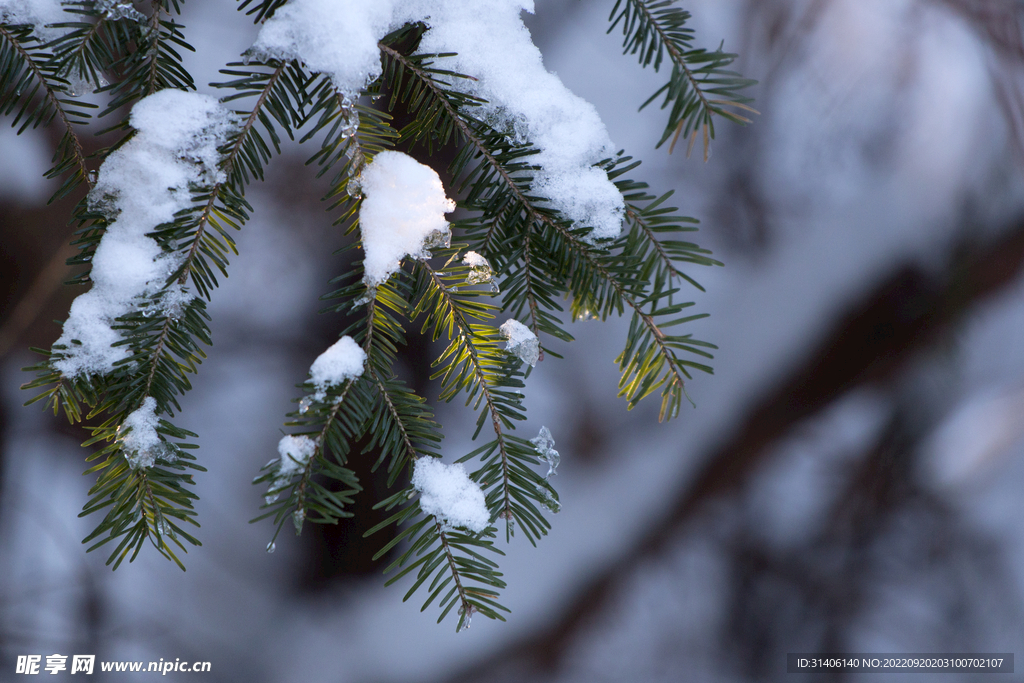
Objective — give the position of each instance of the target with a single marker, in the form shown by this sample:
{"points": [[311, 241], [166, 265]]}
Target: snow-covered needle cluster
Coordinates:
{"points": [[141, 186], [542, 216]]}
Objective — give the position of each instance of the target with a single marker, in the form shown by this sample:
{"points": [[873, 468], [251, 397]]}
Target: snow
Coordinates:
{"points": [[140, 186], [403, 209], [295, 452], [142, 444], [447, 493], [343, 361], [39, 13], [544, 443], [475, 260], [521, 341], [525, 100], [530, 103], [335, 37]]}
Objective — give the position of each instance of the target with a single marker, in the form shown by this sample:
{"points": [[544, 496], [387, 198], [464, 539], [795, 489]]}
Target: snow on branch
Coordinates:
{"points": [[39, 13], [524, 100], [447, 493], [141, 186], [402, 213], [342, 361]]}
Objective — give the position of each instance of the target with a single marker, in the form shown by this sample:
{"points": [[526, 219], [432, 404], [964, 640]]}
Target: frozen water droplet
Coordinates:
{"points": [[521, 341], [354, 188], [551, 502], [465, 618], [480, 271], [438, 239], [494, 288], [271, 547], [298, 517], [543, 443], [304, 405]]}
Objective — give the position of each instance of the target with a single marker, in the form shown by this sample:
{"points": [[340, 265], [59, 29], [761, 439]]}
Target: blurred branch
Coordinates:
{"points": [[871, 343], [30, 306]]}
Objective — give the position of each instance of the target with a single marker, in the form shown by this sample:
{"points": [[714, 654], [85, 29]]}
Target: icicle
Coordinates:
{"points": [[354, 188], [543, 443], [465, 618], [298, 517], [551, 502]]}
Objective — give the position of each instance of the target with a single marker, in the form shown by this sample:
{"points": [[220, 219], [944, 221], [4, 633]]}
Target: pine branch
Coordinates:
{"points": [[503, 179], [700, 86], [25, 67], [450, 556], [450, 109], [154, 64], [263, 9]]}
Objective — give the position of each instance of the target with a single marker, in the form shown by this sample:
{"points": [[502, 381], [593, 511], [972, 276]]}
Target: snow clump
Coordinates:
{"points": [[142, 444], [140, 186], [494, 46], [402, 213], [521, 341], [39, 13], [447, 493], [491, 44], [335, 37], [343, 361]]}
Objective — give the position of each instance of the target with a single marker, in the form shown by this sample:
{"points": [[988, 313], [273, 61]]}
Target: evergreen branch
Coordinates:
{"points": [[153, 65], [699, 86], [453, 558], [520, 215], [648, 360], [333, 424], [472, 362], [264, 9], [658, 258], [146, 503], [24, 68], [154, 32], [89, 49], [435, 98]]}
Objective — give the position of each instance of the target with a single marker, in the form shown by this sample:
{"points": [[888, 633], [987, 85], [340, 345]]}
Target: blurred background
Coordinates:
{"points": [[850, 480]]}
